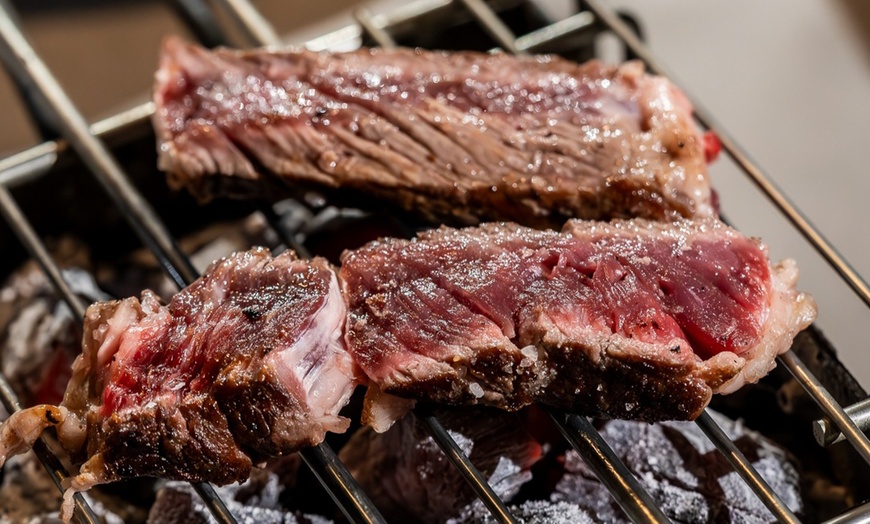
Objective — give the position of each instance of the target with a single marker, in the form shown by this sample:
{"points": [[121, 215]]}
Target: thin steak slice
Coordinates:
{"points": [[630, 319], [454, 137], [245, 364]]}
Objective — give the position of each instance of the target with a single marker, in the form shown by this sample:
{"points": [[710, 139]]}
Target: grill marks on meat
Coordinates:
{"points": [[456, 137], [631, 319], [246, 363]]}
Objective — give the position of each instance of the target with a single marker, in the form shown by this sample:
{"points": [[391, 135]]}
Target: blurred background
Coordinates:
{"points": [[790, 79]]}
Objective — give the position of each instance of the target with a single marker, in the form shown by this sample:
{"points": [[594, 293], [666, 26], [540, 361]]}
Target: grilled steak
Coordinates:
{"points": [[631, 319], [454, 137], [246, 363], [410, 479]]}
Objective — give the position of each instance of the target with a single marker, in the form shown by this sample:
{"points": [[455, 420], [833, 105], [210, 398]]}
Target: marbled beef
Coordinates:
{"points": [[455, 137], [629, 319]]}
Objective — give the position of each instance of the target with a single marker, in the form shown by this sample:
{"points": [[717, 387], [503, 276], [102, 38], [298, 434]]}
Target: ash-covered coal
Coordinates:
{"points": [[410, 479], [535, 512], [256, 501], [684, 473]]}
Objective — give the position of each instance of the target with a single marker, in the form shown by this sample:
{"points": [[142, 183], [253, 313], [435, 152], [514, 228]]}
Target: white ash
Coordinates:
{"points": [[177, 503], [684, 473], [534, 512]]}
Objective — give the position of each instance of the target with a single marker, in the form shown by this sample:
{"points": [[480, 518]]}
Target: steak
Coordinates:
{"points": [[454, 137], [630, 319], [245, 364], [409, 478]]}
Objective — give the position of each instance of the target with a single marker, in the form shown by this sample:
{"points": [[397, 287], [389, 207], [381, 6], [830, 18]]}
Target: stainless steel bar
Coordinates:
{"points": [[10, 210], [794, 365], [83, 511], [493, 25], [857, 515], [373, 28], [740, 464], [201, 20], [826, 432], [330, 471], [826, 401], [535, 40], [468, 471], [625, 489], [252, 22], [739, 155], [446, 442], [21, 226], [92, 151]]}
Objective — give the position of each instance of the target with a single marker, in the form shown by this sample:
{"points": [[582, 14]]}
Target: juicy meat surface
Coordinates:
{"points": [[630, 319], [410, 479], [455, 137], [246, 363]]}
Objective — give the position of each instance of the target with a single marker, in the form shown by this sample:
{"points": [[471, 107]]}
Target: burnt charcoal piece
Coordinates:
{"points": [[684, 473], [535, 512], [454, 137], [245, 364], [410, 479], [631, 319]]}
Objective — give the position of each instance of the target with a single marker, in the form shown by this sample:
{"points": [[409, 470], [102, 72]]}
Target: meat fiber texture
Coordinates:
{"points": [[455, 137], [410, 479], [245, 364], [684, 473], [629, 319]]}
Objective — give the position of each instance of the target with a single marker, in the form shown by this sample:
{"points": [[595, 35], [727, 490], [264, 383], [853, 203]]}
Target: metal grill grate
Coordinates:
{"points": [[57, 112]]}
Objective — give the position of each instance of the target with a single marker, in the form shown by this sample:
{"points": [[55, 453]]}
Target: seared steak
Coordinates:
{"points": [[454, 137], [631, 319], [246, 363]]}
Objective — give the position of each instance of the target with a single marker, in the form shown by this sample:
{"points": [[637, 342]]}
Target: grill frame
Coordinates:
{"points": [[57, 112]]}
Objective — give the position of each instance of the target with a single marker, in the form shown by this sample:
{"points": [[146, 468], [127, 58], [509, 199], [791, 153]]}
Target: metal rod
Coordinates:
{"points": [[622, 485], [444, 440], [201, 20], [829, 405], [782, 202], [533, 41], [93, 152], [373, 28], [857, 515], [468, 471], [493, 25], [83, 511], [337, 479], [745, 469], [22, 228], [252, 22], [826, 432]]}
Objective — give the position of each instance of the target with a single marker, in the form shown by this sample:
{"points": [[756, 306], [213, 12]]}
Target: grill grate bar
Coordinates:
{"points": [[493, 25], [93, 152], [16, 219], [83, 512], [797, 368], [744, 468], [625, 488], [258, 30], [469, 472], [374, 28], [768, 187], [200, 18], [445, 441]]}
